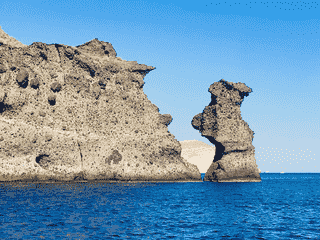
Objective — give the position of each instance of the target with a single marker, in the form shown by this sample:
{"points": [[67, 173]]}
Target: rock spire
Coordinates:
{"points": [[221, 123]]}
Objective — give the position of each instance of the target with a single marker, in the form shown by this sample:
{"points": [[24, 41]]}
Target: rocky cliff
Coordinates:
{"points": [[221, 123], [80, 114]]}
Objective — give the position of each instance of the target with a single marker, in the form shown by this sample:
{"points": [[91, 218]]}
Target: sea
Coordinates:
{"points": [[281, 206]]}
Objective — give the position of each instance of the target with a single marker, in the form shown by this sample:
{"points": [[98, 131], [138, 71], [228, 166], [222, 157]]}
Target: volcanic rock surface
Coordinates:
{"points": [[221, 123], [80, 114]]}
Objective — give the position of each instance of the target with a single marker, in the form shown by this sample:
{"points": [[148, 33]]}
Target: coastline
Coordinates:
{"points": [[92, 181]]}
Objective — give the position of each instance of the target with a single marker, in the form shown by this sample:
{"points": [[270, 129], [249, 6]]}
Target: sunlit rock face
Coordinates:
{"points": [[80, 113], [221, 123]]}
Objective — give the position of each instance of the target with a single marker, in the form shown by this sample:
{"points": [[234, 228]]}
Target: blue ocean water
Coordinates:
{"points": [[281, 206]]}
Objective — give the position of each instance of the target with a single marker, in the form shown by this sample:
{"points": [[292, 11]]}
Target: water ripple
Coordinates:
{"points": [[284, 207]]}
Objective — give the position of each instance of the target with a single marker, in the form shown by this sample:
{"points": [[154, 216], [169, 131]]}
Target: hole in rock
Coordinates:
{"points": [[52, 100], [92, 73], [43, 160], [43, 56], [4, 107]]}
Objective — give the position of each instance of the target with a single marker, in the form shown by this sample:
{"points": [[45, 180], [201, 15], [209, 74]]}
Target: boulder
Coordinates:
{"points": [[221, 123], [80, 114]]}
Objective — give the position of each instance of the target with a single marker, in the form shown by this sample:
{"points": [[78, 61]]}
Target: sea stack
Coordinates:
{"points": [[221, 123], [80, 114]]}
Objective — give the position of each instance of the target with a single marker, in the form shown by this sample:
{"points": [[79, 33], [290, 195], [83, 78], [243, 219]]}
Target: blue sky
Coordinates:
{"points": [[272, 47]]}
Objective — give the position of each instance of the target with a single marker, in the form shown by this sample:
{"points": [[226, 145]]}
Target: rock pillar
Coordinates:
{"points": [[221, 123]]}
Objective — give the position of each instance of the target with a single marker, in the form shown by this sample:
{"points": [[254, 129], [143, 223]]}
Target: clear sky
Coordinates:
{"points": [[272, 47]]}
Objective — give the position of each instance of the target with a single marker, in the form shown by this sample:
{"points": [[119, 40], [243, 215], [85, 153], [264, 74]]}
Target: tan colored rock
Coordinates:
{"points": [[80, 114], [198, 153], [6, 39], [221, 123]]}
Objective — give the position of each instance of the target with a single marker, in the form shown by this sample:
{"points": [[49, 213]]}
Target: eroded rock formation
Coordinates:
{"points": [[221, 123], [79, 113]]}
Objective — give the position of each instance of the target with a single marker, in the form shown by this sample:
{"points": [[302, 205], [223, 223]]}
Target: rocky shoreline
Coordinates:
{"points": [[79, 114]]}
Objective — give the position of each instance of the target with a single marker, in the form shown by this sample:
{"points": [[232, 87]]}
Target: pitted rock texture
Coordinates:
{"points": [[80, 113], [221, 123]]}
